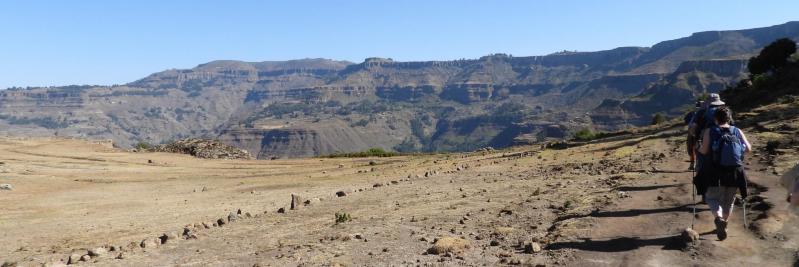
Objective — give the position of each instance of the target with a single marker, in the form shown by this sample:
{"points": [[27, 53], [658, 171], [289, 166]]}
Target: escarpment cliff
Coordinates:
{"points": [[313, 107]]}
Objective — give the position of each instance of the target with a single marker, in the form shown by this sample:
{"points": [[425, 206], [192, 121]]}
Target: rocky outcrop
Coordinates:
{"points": [[672, 94], [207, 149], [307, 141]]}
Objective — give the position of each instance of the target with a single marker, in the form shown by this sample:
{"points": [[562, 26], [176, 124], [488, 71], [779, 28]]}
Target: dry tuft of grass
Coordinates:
{"points": [[449, 244]]}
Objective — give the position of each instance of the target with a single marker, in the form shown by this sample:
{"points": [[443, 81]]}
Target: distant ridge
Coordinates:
{"points": [[311, 107]]}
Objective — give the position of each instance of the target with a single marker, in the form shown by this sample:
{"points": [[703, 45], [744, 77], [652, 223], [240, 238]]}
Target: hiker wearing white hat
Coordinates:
{"points": [[705, 119], [715, 100]]}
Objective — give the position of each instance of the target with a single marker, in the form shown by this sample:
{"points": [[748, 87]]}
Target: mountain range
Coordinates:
{"points": [[312, 107]]}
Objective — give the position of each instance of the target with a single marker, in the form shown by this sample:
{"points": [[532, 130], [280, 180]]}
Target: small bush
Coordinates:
{"points": [[342, 217], [568, 204], [584, 135], [360, 123], [658, 119], [143, 146]]}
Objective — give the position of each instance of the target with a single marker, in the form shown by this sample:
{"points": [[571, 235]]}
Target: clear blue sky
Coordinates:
{"points": [[113, 42]]}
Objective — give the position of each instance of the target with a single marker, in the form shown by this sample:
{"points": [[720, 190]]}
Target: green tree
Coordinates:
{"points": [[772, 57]]}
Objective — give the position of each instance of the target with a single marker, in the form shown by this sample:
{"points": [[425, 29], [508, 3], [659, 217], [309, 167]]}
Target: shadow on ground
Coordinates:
{"points": [[645, 188], [619, 244]]}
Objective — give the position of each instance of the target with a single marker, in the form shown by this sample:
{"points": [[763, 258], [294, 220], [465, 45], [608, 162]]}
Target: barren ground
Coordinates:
{"points": [[615, 203]]}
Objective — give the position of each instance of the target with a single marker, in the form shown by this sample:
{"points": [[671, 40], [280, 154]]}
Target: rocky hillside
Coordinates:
{"points": [[317, 106]]}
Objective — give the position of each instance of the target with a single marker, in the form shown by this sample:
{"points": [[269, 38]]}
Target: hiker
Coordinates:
{"points": [[790, 180], [703, 119], [704, 116], [724, 147], [691, 142]]}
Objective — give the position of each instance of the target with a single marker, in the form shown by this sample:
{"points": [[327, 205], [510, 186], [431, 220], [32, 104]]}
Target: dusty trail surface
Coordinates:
{"points": [[617, 203]]}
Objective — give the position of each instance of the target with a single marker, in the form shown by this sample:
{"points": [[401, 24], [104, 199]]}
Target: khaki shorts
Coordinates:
{"points": [[720, 199]]}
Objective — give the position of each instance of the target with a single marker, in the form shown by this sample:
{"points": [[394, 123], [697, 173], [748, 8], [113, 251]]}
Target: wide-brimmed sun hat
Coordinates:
{"points": [[715, 100]]}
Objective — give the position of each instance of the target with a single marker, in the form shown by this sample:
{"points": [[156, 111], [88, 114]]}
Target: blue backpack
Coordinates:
{"points": [[727, 146]]}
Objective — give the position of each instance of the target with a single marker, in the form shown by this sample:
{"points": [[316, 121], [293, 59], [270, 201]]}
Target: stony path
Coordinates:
{"points": [[644, 229], [620, 203]]}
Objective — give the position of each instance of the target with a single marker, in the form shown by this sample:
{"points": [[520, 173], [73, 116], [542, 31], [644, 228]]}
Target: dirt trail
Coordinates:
{"points": [[619, 203], [642, 230]]}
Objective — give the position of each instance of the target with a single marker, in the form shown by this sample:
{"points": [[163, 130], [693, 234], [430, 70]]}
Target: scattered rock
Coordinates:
{"points": [[221, 222], [73, 259], [121, 256], [690, 237], [341, 194], [85, 258], [532, 247], [168, 237], [295, 201], [233, 217], [150, 243], [6, 187], [281, 210], [187, 232], [98, 252], [372, 162]]}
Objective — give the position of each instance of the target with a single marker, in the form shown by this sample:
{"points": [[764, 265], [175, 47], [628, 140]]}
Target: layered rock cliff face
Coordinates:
{"points": [[671, 94], [317, 106]]}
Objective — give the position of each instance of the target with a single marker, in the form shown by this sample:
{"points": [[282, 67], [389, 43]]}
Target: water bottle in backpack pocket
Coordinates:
{"points": [[727, 146]]}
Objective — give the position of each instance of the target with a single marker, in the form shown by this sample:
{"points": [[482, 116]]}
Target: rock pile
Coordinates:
{"points": [[206, 149]]}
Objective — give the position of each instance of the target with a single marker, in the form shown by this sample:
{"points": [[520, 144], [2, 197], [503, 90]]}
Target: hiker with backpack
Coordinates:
{"points": [[691, 141], [725, 146], [703, 119]]}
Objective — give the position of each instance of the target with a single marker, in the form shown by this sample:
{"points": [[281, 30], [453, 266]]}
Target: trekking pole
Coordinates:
{"points": [[743, 200], [693, 197]]}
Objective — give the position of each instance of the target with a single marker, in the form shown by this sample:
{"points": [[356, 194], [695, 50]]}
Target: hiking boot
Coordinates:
{"points": [[721, 228]]}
